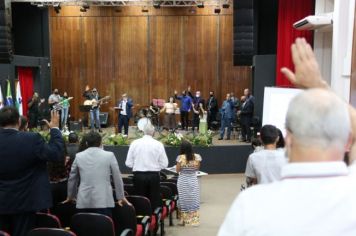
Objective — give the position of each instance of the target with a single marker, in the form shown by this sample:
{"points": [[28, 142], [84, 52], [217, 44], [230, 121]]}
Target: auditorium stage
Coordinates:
{"points": [[223, 157]]}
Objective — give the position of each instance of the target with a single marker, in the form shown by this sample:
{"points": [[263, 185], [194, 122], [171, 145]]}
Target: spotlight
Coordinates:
{"points": [[157, 4], [225, 5], [192, 10], [57, 8], [144, 9], [84, 7], [200, 4], [217, 10]]}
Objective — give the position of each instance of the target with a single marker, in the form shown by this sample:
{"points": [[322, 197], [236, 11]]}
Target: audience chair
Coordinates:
{"points": [[50, 232], [46, 220], [142, 206], [3, 233], [167, 201], [174, 203], [59, 191], [130, 189], [64, 211], [127, 180], [124, 217], [92, 224]]}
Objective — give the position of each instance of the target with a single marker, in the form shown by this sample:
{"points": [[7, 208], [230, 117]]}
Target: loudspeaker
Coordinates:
{"points": [[245, 32], [103, 117], [75, 125], [6, 48]]}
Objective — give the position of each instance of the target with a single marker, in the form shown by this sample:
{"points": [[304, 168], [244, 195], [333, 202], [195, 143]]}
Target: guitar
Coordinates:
{"points": [[59, 106], [95, 103]]}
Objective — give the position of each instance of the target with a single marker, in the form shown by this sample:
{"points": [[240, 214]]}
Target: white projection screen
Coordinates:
{"points": [[275, 106]]}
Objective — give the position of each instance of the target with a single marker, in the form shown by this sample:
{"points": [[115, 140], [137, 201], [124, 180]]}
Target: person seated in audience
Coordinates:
{"points": [[281, 142], [92, 170], [265, 165], [23, 124], [24, 185], [256, 144], [316, 194]]}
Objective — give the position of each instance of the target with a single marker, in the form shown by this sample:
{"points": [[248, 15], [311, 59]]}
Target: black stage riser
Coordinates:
{"points": [[216, 159]]}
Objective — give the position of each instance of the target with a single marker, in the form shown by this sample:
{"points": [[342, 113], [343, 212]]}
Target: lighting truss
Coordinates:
{"points": [[166, 3]]}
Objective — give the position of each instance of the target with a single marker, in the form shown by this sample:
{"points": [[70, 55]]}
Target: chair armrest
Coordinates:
{"points": [[145, 221], [127, 232], [158, 213]]}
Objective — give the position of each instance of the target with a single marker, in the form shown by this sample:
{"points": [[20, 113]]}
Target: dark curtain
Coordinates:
{"points": [[290, 11], [25, 76]]}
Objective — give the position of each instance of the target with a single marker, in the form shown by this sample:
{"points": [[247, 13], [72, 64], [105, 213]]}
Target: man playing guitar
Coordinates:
{"points": [[95, 110]]}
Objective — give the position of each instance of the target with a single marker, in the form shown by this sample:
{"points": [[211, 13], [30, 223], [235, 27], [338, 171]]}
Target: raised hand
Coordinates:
{"points": [[307, 73]]}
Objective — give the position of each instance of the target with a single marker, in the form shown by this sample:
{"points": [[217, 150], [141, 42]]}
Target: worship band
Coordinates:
{"points": [[196, 112]]}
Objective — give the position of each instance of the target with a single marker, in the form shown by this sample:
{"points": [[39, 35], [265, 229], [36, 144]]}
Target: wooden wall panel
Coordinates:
{"points": [[146, 55], [97, 68], [166, 55], [200, 52], [130, 58], [66, 60], [232, 78]]}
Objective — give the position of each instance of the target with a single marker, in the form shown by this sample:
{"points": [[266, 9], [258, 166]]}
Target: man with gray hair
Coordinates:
{"points": [[315, 195], [146, 157]]}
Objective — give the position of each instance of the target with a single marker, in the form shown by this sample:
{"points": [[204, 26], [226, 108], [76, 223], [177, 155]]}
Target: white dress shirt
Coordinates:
{"points": [[311, 199], [146, 154], [123, 107], [265, 165]]}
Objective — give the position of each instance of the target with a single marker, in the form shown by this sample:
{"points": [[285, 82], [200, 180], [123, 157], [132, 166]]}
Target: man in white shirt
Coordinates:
{"points": [[146, 157], [316, 194], [265, 166]]}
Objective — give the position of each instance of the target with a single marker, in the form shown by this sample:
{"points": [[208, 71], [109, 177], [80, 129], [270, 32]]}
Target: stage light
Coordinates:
{"points": [[217, 10], [57, 8], [84, 7], [200, 4], [144, 9], [225, 5], [157, 4]]}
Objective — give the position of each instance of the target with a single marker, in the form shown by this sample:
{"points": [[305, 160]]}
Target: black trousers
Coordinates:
{"points": [[18, 224], [124, 121], [184, 119], [148, 184], [246, 128], [211, 117], [195, 121]]}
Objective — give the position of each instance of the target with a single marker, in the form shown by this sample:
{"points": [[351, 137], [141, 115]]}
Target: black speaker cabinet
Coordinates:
{"points": [[75, 125], [103, 117]]}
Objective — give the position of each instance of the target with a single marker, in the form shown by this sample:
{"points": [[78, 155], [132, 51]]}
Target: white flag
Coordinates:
{"points": [[1, 99], [19, 99]]}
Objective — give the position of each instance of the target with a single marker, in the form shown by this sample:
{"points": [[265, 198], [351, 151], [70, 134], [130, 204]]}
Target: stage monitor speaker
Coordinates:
{"points": [[245, 32], [103, 117], [6, 48], [75, 125]]}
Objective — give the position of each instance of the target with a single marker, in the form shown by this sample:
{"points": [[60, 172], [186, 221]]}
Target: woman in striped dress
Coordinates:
{"points": [[188, 164]]}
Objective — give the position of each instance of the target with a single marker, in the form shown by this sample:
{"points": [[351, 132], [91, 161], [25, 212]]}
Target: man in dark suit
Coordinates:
{"points": [[246, 115], [212, 108], [227, 113], [24, 181], [125, 106]]}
